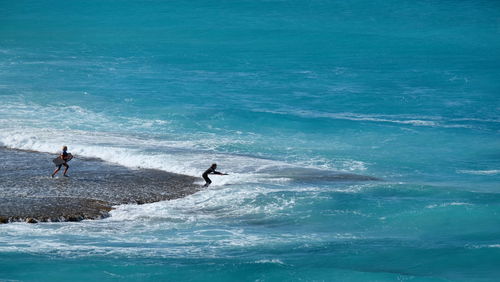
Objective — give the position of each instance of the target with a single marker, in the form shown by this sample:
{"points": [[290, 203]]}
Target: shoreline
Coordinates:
{"points": [[29, 194]]}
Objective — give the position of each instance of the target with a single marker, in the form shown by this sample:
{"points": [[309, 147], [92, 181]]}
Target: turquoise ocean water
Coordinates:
{"points": [[284, 96]]}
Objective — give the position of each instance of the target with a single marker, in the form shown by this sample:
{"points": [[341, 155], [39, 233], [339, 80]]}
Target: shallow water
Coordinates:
{"points": [[285, 96]]}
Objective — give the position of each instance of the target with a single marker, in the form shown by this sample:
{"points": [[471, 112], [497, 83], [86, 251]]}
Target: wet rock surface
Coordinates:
{"points": [[28, 193]]}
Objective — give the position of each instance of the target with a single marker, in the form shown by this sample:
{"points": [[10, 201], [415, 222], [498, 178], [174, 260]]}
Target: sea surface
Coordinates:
{"points": [[284, 96]]}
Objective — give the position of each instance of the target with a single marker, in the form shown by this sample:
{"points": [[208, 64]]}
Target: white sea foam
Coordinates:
{"points": [[447, 205], [181, 156], [480, 172], [428, 121], [215, 203], [341, 165], [30, 126], [493, 246], [271, 261], [172, 156], [198, 225]]}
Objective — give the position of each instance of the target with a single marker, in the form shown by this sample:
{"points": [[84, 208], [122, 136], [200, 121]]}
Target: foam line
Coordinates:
{"points": [[171, 156]]}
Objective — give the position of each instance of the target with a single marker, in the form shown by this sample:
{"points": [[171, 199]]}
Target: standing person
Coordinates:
{"points": [[210, 170], [65, 156]]}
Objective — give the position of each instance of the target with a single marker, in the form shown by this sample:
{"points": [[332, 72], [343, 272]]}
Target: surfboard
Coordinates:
{"points": [[60, 161]]}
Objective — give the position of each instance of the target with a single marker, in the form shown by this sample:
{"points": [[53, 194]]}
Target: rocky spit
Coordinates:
{"points": [[28, 193]]}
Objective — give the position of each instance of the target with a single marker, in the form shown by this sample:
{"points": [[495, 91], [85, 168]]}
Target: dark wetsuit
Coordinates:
{"points": [[65, 158], [207, 172]]}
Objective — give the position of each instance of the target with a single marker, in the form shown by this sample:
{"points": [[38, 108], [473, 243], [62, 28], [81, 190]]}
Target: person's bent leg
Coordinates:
{"points": [[66, 169], [207, 181], [56, 171]]}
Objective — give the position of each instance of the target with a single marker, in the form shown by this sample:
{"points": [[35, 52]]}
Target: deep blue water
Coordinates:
{"points": [[284, 96]]}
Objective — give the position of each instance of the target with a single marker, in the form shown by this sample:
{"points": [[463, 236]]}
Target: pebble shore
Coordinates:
{"points": [[28, 193]]}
